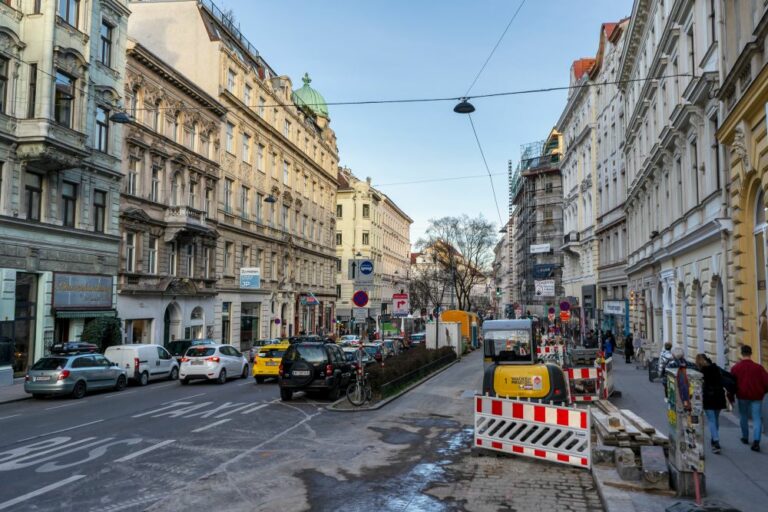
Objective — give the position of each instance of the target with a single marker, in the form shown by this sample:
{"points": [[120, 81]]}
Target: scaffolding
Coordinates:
{"points": [[536, 213]]}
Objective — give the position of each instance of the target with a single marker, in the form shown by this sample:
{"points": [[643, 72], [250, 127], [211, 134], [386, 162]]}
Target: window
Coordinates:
{"points": [[247, 95], [152, 255], [176, 190], [207, 263], [105, 55], [287, 129], [4, 84], [228, 195], [312, 229], [366, 211], [205, 145], [339, 239], [69, 11], [259, 203], [230, 137], [231, 81], [338, 291], [99, 210], [208, 201], [192, 196], [229, 249], [273, 266], [31, 95], [64, 99], [260, 157], [286, 218], [102, 129], [304, 226], [246, 148], [171, 259], [339, 210], [68, 203], [261, 106], [286, 172], [245, 256], [154, 193], [133, 103], [244, 202], [274, 165], [155, 116], [366, 238], [190, 260], [130, 252], [189, 137], [176, 127], [132, 179]]}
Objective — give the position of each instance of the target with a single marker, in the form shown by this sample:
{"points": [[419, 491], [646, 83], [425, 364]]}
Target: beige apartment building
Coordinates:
{"points": [[61, 79], [369, 225], [275, 199]]}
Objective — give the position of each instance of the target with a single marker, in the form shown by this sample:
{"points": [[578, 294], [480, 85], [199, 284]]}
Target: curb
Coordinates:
{"points": [[12, 400], [384, 402]]}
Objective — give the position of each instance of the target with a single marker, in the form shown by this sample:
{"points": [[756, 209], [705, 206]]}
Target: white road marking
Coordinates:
{"points": [[232, 411], [214, 424], [154, 411], [219, 409], [167, 384], [145, 450], [66, 405], [255, 408], [58, 431], [183, 411], [11, 416], [24, 497], [17, 464], [183, 397]]}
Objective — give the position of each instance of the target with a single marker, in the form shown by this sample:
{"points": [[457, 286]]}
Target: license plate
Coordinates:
{"points": [[42, 379], [301, 373], [271, 363], [196, 362]]}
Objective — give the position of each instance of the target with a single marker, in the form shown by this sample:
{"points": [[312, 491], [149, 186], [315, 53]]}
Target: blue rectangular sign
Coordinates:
{"points": [[250, 278]]}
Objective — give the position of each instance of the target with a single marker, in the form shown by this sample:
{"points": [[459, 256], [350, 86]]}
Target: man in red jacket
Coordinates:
{"points": [[751, 387]]}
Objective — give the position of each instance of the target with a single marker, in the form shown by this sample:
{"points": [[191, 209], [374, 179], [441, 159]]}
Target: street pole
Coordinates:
{"points": [[437, 326]]}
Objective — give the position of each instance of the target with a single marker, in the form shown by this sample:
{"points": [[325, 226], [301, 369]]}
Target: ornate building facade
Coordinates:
{"points": [[61, 79]]}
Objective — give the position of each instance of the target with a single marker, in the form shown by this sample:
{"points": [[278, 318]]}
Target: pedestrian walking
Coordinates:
{"points": [[713, 392], [607, 347], [629, 348], [664, 358], [751, 387]]}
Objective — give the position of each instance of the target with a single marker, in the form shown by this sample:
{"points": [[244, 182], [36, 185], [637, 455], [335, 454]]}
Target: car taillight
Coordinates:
{"points": [[184, 359], [280, 369], [214, 359], [63, 375], [136, 364], [328, 370]]}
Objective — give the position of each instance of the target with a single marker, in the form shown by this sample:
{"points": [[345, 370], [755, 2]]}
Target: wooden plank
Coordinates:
{"points": [[601, 420], [643, 425], [609, 407]]}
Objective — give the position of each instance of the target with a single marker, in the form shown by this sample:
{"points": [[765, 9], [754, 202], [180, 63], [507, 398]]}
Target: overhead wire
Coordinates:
{"points": [[488, 169], [432, 180]]}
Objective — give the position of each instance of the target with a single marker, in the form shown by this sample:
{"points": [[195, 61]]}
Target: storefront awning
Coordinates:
{"points": [[86, 314]]}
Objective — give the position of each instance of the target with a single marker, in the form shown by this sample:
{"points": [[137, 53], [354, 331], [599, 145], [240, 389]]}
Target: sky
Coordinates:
{"points": [[373, 50]]}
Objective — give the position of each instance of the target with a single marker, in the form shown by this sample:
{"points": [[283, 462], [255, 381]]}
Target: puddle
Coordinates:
{"points": [[399, 485]]}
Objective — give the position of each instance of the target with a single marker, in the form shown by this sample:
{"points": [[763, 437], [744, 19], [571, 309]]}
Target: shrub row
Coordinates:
{"points": [[407, 362]]}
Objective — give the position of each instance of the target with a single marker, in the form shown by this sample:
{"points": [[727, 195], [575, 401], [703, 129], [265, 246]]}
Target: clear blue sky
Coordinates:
{"points": [[361, 50]]}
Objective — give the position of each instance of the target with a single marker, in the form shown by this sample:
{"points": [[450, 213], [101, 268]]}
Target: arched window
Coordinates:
{"points": [[156, 116], [760, 274]]}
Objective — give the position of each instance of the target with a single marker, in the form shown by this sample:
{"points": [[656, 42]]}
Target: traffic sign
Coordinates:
{"points": [[565, 316], [365, 271], [551, 317], [366, 267], [400, 304], [360, 298], [359, 314]]}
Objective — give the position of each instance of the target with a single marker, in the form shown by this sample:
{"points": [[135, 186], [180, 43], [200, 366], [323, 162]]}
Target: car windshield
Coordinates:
{"points": [[371, 350], [272, 353], [311, 353], [50, 363], [200, 351], [511, 345], [389, 343], [178, 347]]}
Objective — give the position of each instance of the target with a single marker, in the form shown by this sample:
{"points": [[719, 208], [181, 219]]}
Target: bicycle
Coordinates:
{"points": [[359, 391]]}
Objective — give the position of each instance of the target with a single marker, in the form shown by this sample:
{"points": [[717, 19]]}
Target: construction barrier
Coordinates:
{"points": [[548, 432], [607, 368], [585, 384], [551, 353]]}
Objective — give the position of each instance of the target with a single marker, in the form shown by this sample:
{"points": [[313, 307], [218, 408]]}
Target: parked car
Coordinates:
{"points": [[178, 348], [74, 347], [212, 362], [306, 338], [349, 339], [394, 346], [313, 366], [352, 354], [376, 351], [73, 374], [143, 363], [261, 343], [419, 338], [266, 362]]}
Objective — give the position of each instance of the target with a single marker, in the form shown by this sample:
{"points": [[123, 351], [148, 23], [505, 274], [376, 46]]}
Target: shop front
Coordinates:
{"points": [[79, 299], [615, 317], [161, 319], [19, 332]]}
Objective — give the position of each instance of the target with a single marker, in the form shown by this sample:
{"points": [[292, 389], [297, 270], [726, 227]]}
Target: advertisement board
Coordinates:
{"points": [[545, 288], [614, 307], [82, 291], [250, 278], [540, 248]]}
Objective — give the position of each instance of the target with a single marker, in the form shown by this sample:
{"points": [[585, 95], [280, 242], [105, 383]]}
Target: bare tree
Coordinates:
{"points": [[463, 249]]}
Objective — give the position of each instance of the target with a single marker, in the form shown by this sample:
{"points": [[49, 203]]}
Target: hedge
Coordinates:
{"points": [[407, 362]]}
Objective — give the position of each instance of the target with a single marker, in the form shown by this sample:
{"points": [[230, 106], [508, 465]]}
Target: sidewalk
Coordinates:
{"points": [[737, 476], [13, 393]]}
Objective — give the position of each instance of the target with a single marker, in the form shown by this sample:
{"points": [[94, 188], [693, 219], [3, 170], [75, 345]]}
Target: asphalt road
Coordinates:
{"points": [[236, 447]]}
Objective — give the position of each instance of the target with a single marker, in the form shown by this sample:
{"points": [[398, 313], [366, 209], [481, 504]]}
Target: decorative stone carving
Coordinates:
{"points": [[70, 62], [9, 43], [741, 148]]}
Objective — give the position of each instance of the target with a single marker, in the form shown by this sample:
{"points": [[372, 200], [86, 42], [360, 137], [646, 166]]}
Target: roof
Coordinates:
{"points": [[581, 66], [308, 98]]}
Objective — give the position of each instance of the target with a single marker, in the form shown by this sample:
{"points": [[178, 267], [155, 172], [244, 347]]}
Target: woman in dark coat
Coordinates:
{"points": [[713, 397]]}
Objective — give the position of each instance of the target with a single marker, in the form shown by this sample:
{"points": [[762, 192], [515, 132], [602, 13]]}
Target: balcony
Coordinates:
{"points": [[571, 241], [186, 221]]}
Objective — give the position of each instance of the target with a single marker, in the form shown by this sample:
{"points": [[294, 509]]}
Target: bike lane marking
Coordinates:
{"points": [[58, 431], [28, 496], [211, 425], [145, 450]]}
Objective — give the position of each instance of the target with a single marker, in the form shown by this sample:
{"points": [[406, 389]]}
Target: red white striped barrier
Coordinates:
{"points": [[551, 352], [585, 384], [548, 432]]}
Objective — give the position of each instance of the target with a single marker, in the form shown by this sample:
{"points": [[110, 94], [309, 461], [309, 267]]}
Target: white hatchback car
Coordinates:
{"points": [[212, 362]]}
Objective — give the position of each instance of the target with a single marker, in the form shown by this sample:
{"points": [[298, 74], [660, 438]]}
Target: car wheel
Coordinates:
{"points": [[184, 381], [79, 390], [174, 373], [244, 375], [120, 384], [143, 379], [259, 380], [335, 392], [286, 395], [222, 377]]}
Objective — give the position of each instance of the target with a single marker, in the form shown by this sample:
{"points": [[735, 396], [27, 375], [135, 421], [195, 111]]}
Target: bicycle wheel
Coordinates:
{"points": [[368, 392], [356, 394]]}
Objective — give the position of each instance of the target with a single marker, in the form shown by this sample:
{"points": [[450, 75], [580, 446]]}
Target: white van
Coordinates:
{"points": [[144, 362]]}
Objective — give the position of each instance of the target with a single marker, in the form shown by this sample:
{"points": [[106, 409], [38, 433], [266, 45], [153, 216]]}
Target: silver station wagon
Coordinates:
{"points": [[73, 375]]}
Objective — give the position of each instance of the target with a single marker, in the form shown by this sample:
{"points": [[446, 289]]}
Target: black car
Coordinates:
{"points": [[313, 367], [178, 348], [306, 338]]}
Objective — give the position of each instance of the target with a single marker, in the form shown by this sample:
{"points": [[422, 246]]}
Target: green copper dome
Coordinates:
{"points": [[309, 98]]}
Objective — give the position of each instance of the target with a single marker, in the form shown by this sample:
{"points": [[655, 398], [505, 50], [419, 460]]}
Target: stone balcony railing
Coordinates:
{"points": [[185, 215]]}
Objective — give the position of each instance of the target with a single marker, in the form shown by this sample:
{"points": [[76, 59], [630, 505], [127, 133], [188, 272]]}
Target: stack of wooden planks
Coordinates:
{"points": [[622, 427]]}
